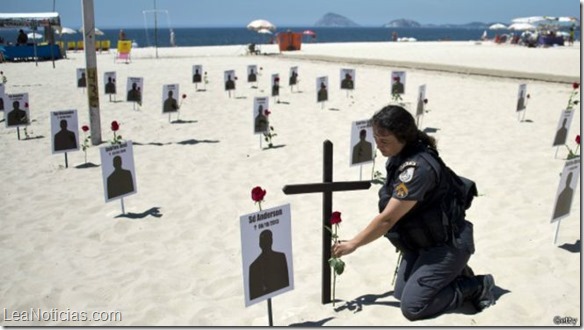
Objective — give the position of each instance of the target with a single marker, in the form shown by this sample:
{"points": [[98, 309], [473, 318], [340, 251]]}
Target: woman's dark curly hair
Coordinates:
{"points": [[399, 122]]}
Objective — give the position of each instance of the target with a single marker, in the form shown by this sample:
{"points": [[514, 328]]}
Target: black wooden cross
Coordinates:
{"points": [[326, 188]]}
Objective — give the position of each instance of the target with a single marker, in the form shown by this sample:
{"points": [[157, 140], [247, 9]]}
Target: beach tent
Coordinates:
{"points": [[32, 21]]}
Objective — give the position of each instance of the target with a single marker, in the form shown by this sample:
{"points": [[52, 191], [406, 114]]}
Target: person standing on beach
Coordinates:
{"points": [[433, 275]]}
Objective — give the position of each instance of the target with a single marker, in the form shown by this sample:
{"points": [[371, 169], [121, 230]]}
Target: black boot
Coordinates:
{"points": [[477, 289]]}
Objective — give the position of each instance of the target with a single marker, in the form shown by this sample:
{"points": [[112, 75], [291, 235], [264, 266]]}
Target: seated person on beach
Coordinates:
{"points": [[22, 38], [170, 104], [17, 116], [252, 49]]}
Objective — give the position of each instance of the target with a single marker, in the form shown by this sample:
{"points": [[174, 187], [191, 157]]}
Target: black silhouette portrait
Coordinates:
{"points": [[197, 76], [229, 83], [120, 181], [17, 116], [397, 87], [170, 104], [252, 77], [347, 82], [269, 272], [420, 106], [82, 82], [363, 150], [276, 86], [110, 86], [65, 139], [521, 101], [134, 94], [293, 78], [261, 121], [561, 134], [564, 199], [322, 93]]}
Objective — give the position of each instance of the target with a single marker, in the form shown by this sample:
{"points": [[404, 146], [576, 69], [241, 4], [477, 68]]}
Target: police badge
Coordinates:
{"points": [[407, 175]]}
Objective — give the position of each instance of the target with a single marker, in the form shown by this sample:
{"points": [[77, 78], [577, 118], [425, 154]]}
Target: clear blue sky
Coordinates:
{"points": [[213, 13]]}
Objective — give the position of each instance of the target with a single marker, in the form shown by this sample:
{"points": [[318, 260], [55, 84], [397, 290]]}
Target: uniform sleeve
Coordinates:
{"points": [[414, 180]]}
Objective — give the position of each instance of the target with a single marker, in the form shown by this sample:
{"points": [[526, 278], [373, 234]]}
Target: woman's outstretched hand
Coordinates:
{"points": [[343, 248]]}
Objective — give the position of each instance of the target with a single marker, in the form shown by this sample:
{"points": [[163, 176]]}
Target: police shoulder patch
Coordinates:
{"points": [[407, 175], [409, 163], [401, 190]]}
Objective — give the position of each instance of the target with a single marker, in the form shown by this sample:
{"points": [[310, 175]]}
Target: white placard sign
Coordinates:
{"points": [[322, 89], [16, 112], [81, 78], [261, 122], [170, 93], [229, 79], [293, 76], [64, 131], [398, 82], [347, 78], [566, 188], [421, 97], [362, 142], [117, 166], [197, 73], [266, 251], [563, 128], [275, 84], [521, 95], [252, 73], [135, 89], [109, 79]]}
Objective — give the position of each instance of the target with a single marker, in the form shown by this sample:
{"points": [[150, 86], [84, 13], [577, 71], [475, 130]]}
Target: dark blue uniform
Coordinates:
{"points": [[431, 261]]}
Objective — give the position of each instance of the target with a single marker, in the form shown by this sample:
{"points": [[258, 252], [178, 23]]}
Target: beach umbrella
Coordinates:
{"points": [[35, 35], [260, 24], [529, 20], [309, 33], [497, 26], [98, 32], [264, 31], [66, 30], [521, 26]]}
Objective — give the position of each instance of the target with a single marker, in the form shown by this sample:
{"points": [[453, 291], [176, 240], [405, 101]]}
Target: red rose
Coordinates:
{"points": [[336, 218], [184, 96], [425, 101], [575, 85], [85, 128], [257, 194], [26, 104], [115, 126], [578, 138], [267, 112]]}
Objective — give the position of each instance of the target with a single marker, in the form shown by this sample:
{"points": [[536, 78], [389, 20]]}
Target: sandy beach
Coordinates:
{"points": [[175, 258]]}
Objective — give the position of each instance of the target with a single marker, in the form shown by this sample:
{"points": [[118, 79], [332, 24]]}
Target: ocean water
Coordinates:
{"points": [[146, 37]]}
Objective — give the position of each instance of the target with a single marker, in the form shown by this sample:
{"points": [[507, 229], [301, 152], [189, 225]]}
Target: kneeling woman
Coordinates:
{"points": [[433, 275]]}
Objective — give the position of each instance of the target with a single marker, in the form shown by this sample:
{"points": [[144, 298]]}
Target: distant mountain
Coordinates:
{"points": [[335, 20], [402, 22]]}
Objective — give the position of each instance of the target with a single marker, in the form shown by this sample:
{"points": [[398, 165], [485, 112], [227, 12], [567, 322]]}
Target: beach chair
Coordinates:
{"points": [[71, 45], [80, 45], [105, 45], [124, 50]]}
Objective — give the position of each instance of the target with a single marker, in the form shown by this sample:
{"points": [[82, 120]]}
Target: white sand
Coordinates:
{"points": [[63, 248]]}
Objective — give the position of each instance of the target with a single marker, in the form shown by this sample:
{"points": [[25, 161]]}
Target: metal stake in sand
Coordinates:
{"points": [[66, 162], [122, 202], [18, 132], [327, 187]]}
